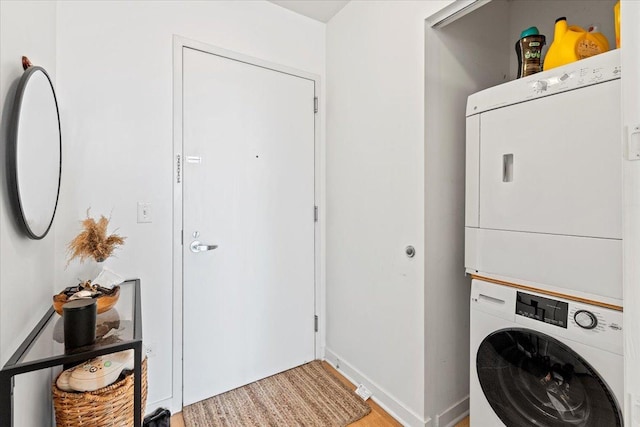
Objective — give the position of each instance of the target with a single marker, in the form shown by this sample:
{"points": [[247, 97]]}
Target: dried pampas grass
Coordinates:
{"points": [[93, 242]]}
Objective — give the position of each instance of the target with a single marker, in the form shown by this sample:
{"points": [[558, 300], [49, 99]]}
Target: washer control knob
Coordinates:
{"points": [[585, 319]]}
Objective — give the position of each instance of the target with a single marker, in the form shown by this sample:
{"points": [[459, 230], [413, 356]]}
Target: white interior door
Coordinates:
{"points": [[248, 187]]}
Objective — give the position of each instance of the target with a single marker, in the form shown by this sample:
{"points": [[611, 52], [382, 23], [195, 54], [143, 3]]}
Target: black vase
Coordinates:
{"points": [[79, 318]]}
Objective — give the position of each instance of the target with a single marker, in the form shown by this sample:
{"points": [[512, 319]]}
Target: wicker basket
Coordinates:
{"points": [[111, 406]]}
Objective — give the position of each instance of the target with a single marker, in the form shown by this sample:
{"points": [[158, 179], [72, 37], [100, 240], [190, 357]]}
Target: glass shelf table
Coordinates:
{"points": [[117, 329]]}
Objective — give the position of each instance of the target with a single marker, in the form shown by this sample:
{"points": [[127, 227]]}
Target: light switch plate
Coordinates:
{"points": [[633, 146], [144, 212]]}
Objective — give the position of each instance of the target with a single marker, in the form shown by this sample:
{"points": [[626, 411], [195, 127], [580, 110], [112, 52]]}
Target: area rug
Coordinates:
{"points": [[304, 396]]}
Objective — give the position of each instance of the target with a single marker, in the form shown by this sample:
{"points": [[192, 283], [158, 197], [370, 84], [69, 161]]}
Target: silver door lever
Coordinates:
{"points": [[196, 247]]}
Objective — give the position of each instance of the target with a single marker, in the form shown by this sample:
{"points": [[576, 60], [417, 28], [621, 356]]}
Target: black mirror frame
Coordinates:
{"points": [[12, 159]]}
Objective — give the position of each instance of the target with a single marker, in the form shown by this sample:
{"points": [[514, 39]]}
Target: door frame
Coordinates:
{"points": [[179, 43]]}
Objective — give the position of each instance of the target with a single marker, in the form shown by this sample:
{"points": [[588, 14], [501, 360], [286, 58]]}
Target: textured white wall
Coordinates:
{"points": [[376, 198], [27, 277], [115, 84]]}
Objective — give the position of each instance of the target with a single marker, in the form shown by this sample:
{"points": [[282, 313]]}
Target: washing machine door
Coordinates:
{"points": [[530, 378]]}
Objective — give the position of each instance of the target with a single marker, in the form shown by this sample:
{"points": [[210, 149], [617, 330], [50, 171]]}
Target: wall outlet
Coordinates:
{"points": [[150, 350], [363, 392], [144, 212], [635, 409]]}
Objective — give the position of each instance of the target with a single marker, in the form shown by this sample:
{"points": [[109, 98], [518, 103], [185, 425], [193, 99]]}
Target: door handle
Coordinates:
{"points": [[196, 247], [507, 168]]}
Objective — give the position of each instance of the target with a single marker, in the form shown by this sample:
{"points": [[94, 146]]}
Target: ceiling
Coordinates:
{"points": [[320, 10]]}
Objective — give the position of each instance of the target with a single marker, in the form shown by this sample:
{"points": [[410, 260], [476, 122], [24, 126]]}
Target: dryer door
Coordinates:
{"points": [[530, 378], [542, 171]]}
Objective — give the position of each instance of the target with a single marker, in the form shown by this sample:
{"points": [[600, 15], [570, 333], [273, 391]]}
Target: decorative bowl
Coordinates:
{"points": [[105, 302]]}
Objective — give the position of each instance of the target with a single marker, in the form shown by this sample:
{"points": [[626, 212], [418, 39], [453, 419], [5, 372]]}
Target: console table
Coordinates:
{"points": [[119, 329]]}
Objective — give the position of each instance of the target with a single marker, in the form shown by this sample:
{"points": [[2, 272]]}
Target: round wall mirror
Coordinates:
{"points": [[35, 155]]}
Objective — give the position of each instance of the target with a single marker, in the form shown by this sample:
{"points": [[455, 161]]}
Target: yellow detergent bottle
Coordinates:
{"points": [[571, 43], [593, 43], [616, 17]]}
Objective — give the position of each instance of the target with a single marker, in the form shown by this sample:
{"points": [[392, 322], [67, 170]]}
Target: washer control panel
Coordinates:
{"points": [[585, 323], [576, 321]]}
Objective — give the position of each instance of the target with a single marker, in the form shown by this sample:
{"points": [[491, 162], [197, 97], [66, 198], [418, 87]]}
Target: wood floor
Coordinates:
{"points": [[378, 417], [176, 421]]}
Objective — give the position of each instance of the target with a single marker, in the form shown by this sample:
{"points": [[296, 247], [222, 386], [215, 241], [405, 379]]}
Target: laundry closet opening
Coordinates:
{"points": [[467, 51]]}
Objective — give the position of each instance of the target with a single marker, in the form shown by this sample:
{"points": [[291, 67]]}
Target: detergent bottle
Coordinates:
{"points": [[592, 44], [529, 51], [616, 16], [571, 43]]}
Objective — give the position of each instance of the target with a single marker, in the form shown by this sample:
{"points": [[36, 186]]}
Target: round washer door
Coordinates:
{"points": [[532, 379]]}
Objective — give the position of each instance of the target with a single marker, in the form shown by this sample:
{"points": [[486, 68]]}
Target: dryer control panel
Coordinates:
{"points": [[575, 75]]}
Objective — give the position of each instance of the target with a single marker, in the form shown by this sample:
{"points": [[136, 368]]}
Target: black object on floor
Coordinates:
{"points": [[160, 418]]}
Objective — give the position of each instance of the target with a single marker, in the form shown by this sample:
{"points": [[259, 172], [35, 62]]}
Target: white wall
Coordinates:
{"points": [[376, 200], [630, 40], [460, 61], [26, 266], [115, 91]]}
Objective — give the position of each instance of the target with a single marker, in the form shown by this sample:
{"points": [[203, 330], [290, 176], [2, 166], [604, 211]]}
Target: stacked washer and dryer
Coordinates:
{"points": [[543, 244]]}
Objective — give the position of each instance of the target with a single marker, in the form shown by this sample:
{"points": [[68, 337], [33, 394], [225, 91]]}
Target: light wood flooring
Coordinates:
{"points": [[378, 417]]}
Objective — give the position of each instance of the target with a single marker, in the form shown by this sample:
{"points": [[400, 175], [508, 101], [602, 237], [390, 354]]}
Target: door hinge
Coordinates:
{"points": [[182, 237], [315, 104], [178, 168], [315, 323], [315, 214]]}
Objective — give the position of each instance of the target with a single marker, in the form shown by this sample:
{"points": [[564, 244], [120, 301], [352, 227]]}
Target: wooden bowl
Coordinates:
{"points": [[105, 302]]}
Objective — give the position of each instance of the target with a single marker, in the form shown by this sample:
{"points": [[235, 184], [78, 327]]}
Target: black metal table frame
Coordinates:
{"points": [[14, 367]]}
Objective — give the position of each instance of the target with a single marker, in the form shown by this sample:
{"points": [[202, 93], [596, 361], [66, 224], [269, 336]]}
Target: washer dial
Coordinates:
{"points": [[585, 319]]}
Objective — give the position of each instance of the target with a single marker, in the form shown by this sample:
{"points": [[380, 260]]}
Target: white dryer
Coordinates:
{"points": [[544, 180], [540, 361]]}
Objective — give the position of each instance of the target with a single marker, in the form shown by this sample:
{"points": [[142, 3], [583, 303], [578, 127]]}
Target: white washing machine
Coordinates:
{"points": [[541, 361]]}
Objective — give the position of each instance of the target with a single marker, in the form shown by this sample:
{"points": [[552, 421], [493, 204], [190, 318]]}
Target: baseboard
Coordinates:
{"points": [[454, 414], [386, 401]]}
